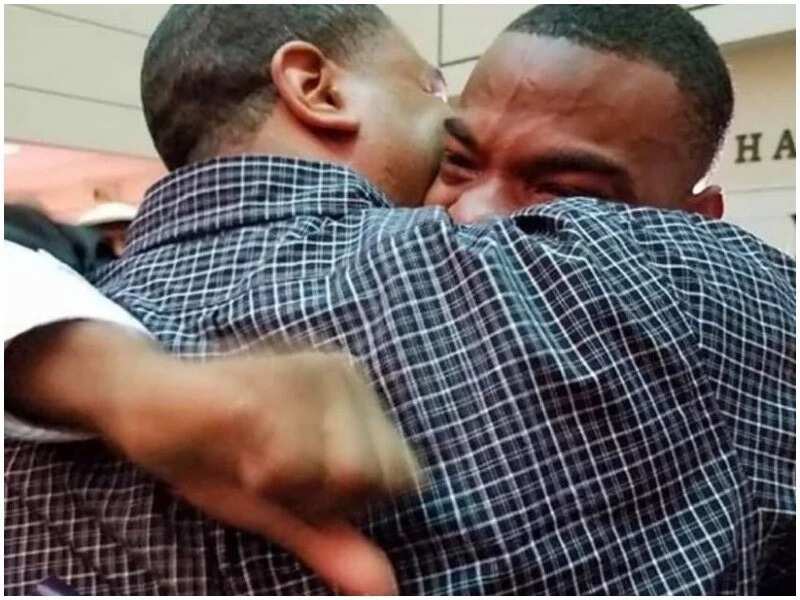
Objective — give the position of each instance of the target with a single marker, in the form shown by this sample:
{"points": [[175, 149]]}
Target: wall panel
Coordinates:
{"points": [[420, 23], [75, 123], [137, 18], [469, 29], [52, 53]]}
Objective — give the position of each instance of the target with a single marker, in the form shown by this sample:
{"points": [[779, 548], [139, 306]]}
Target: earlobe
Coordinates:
{"points": [[708, 202], [306, 82]]}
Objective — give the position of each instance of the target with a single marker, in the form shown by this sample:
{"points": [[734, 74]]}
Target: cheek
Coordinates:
{"points": [[441, 194], [474, 200], [481, 201], [418, 138], [466, 211], [469, 209], [426, 125]]}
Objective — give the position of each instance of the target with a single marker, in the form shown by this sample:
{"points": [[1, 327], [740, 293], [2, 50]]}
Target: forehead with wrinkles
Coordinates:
{"points": [[524, 75]]}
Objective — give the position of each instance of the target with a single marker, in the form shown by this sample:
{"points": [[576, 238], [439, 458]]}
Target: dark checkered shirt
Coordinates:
{"points": [[603, 396]]}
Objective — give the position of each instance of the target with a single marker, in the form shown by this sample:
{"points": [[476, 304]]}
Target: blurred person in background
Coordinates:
{"points": [[97, 238], [83, 247], [111, 220]]}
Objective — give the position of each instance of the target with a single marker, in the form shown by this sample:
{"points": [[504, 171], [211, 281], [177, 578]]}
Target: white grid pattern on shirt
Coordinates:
{"points": [[601, 395]]}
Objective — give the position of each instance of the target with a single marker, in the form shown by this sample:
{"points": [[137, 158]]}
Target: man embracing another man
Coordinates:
{"points": [[597, 378]]}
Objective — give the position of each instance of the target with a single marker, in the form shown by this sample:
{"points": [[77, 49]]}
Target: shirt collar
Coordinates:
{"points": [[237, 191]]}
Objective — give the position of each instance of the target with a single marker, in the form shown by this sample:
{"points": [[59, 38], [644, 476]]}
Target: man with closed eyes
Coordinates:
{"points": [[566, 374]]}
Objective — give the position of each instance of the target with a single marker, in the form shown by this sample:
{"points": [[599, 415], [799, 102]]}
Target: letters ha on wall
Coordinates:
{"points": [[756, 168]]}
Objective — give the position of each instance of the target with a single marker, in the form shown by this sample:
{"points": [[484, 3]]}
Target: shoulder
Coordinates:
{"points": [[669, 240]]}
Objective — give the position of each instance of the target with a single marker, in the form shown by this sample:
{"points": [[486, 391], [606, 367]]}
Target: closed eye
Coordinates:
{"points": [[563, 191], [458, 160]]}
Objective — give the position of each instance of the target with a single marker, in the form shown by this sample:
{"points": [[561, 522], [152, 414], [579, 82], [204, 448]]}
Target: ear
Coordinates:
{"points": [[708, 202], [308, 83]]}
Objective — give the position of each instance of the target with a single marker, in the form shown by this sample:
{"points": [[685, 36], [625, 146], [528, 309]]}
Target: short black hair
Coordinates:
{"points": [[666, 35], [203, 76]]}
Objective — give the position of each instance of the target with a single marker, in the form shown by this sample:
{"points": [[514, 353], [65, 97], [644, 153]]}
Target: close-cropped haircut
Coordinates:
{"points": [[205, 75], [665, 35]]}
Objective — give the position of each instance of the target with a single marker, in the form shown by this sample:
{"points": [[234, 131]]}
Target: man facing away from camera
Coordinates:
{"points": [[587, 384]]}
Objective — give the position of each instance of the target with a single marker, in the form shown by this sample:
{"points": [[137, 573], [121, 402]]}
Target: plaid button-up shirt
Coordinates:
{"points": [[603, 396]]}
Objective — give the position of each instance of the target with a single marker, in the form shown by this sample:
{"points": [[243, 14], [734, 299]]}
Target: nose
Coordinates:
{"points": [[478, 202]]}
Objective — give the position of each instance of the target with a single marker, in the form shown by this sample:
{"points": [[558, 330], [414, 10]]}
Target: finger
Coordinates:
{"points": [[353, 468], [340, 554], [336, 551], [399, 466]]}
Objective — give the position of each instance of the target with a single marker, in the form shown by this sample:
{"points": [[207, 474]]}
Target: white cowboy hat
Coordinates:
{"points": [[108, 212]]}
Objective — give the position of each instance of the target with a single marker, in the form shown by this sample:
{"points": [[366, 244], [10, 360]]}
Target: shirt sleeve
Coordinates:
{"points": [[42, 290]]}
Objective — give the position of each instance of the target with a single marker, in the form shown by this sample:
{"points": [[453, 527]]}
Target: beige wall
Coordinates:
{"points": [[72, 75], [72, 80], [764, 79], [761, 196]]}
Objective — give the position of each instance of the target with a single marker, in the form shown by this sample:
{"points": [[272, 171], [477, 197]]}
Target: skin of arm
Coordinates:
{"points": [[300, 438]]}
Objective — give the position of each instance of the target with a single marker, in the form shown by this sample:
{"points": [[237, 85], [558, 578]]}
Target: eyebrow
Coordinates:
{"points": [[459, 130], [577, 160]]}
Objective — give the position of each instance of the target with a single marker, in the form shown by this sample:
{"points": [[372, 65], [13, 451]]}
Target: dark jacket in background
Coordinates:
{"points": [[82, 248]]}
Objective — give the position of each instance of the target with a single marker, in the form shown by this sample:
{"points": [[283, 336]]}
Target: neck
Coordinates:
{"points": [[282, 135]]}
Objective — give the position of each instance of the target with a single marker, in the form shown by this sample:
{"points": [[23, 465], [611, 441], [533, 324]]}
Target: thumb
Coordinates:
{"points": [[335, 550], [348, 560]]}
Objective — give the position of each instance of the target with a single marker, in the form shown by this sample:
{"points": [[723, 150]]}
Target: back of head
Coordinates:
{"points": [[206, 77], [665, 35]]}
